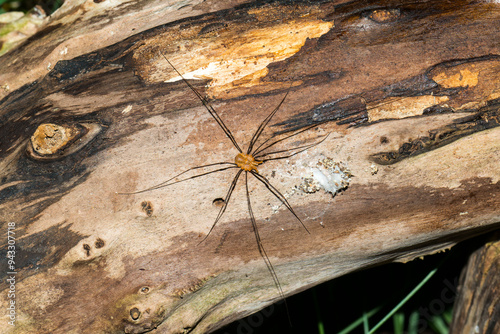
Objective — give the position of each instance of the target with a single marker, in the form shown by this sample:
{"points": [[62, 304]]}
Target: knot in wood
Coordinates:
{"points": [[247, 162], [51, 138]]}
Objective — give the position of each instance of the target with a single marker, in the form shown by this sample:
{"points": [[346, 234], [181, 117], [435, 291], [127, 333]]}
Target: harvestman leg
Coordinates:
{"points": [[257, 153]]}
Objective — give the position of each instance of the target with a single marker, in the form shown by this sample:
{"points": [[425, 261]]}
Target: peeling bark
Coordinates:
{"points": [[408, 93]]}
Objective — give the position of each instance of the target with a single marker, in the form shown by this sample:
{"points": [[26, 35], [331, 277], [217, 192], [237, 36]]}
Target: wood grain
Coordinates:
{"points": [[477, 307], [408, 93]]}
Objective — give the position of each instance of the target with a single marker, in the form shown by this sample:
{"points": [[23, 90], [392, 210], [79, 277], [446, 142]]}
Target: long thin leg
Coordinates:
{"points": [[264, 124], [209, 108], [300, 148], [168, 182], [226, 201], [262, 251], [259, 150], [278, 196]]}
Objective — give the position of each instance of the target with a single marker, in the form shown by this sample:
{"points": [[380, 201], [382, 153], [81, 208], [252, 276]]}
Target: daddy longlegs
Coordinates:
{"points": [[245, 162]]}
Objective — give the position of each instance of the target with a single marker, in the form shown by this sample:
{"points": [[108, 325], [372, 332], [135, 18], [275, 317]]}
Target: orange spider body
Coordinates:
{"points": [[247, 162]]}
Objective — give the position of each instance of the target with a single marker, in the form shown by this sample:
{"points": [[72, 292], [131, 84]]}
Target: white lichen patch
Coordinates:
{"points": [[332, 176]]}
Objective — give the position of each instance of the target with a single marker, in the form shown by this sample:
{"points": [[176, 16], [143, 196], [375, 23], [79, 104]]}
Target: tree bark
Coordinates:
{"points": [[477, 308], [402, 99]]}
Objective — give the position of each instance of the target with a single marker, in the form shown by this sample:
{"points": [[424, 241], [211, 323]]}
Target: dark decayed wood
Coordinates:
{"points": [[477, 308]]}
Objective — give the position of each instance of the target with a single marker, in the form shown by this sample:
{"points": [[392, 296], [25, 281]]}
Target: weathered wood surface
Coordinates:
{"points": [[477, 308], [409, 94]]}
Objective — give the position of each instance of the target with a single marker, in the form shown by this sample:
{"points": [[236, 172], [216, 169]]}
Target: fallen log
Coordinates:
{"points": [[408, 94]]}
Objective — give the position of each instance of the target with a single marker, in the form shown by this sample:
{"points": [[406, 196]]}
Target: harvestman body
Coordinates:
{"points": [[245, 162]]}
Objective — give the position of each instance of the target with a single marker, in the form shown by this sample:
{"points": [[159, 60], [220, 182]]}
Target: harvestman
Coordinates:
{"points": [[245, 162]]}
